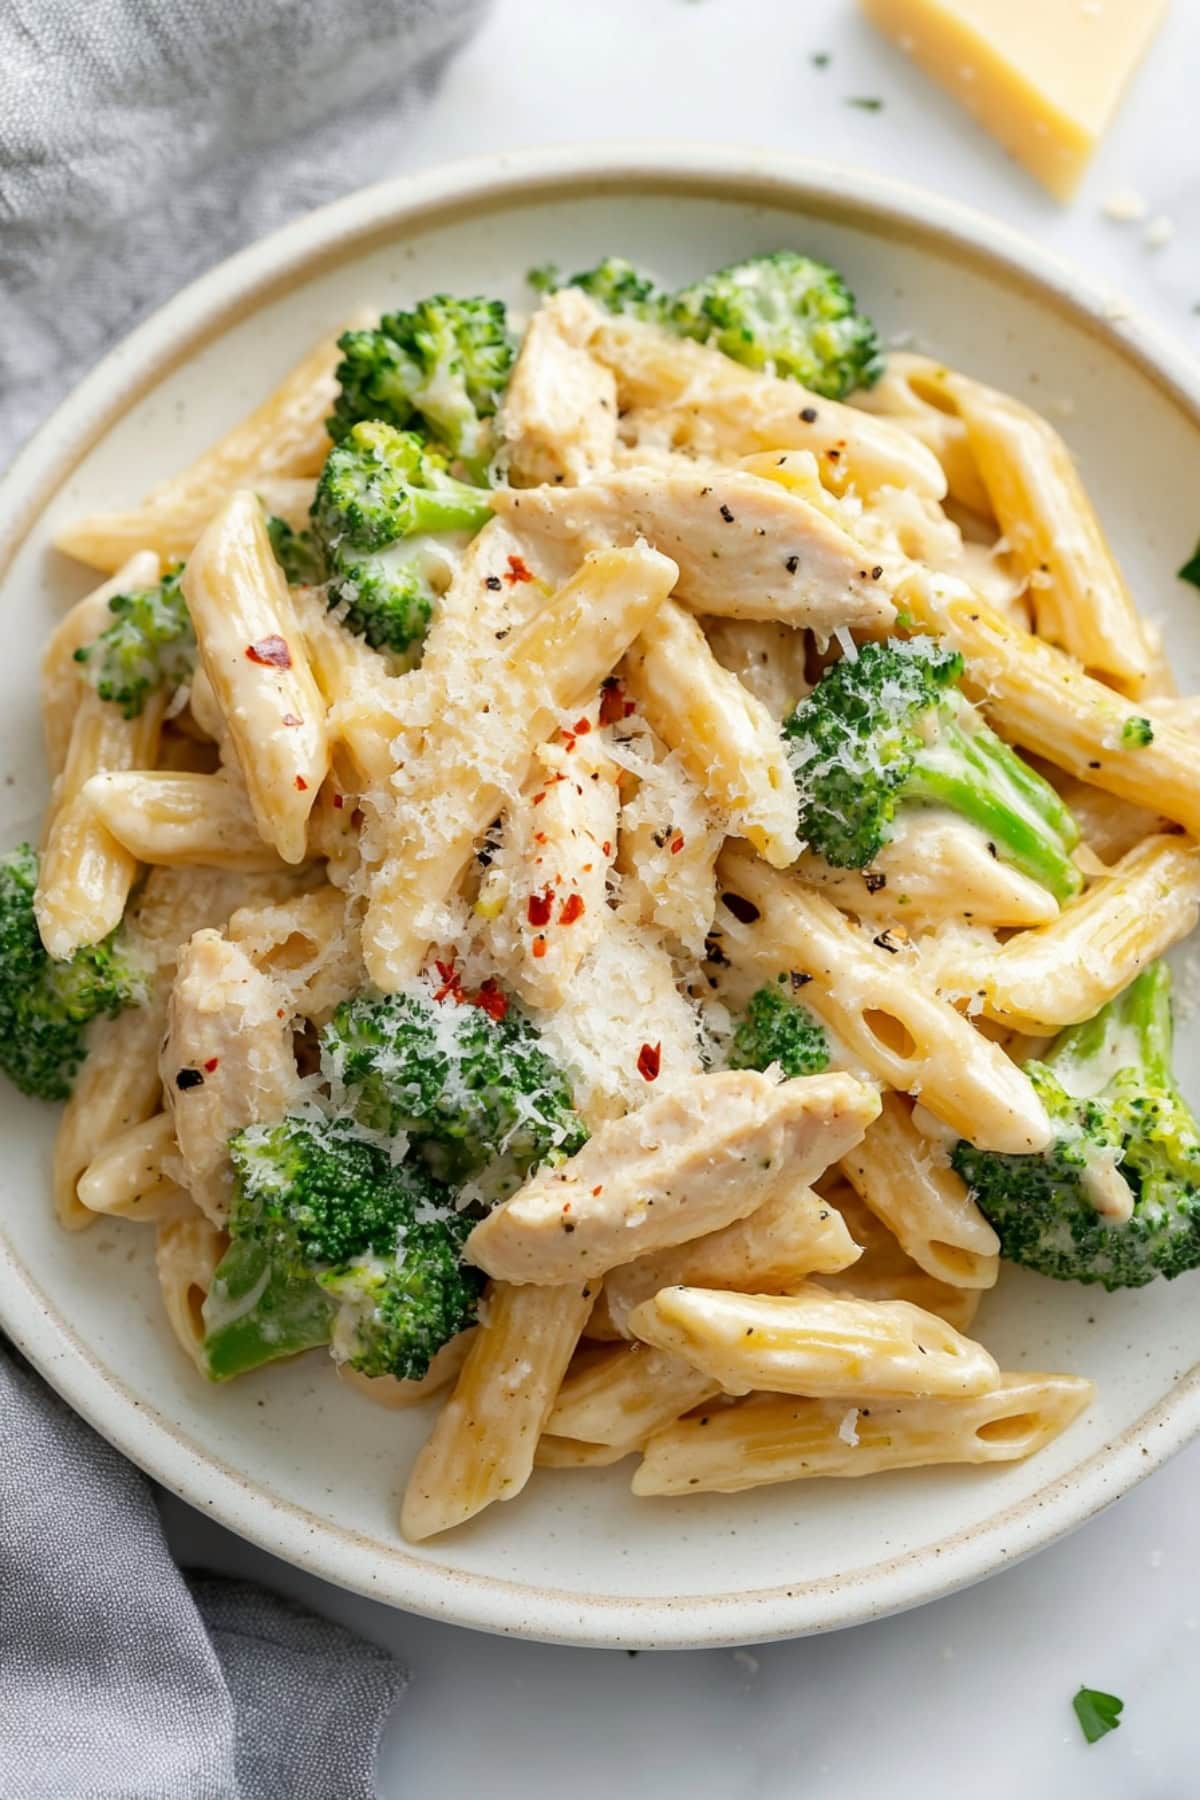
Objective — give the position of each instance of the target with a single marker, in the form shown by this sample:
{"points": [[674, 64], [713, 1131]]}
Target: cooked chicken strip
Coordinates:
{"points": [[708, 403], [688, 1162], [227, 1061], [746, 548], [559, 417]]}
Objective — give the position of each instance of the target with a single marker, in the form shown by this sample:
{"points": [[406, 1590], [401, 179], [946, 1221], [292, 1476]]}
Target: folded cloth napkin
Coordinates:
{"points": [[140, 142], [143, 140], [122, 1680]]}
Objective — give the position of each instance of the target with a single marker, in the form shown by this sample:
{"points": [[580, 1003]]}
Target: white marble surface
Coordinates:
{"points": [[972, 1694]]}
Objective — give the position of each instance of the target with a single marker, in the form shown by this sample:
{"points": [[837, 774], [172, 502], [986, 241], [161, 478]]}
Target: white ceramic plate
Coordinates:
{"points": [[291, 1459]]}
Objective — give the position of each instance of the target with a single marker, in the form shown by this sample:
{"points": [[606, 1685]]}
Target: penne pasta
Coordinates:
{"points": [[880, 1008], [624, 1394], [187, 1252], [769, 1438], [815, 1343], [161, 817], [1080, 600], [768, 658], [569, 1453], [906, 1179], [254, 657], [284, 438], [398, 1396], [117, 1089], [921, 396], [131, 1179], [725, 738], [483, 1443], [446, 798], [885, 1272]]}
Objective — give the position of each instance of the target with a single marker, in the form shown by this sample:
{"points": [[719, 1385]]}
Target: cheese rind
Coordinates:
{"points": [[1044, 76]]}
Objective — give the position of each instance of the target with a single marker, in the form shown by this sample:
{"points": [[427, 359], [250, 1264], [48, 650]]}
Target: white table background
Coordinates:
{"points": [[971, 1695]]}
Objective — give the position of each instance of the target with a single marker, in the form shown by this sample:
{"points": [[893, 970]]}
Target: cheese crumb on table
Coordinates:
{"points": [[1044, 76]]}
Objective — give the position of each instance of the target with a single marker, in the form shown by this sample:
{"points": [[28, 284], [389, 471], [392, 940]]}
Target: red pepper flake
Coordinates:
{"points": [[451, 988], [291, 719], [270, 650], [538, 798], [649, 1061], [540, 907], [581, 727], [490, 999], [597, 1190], [302, 784], [569, 739], [677, 844], [539, 837], [338, 802], [606, 847], [612, 701], [518, 570], [587, 868], [572, 908], [539, 947], [214, 1062]]}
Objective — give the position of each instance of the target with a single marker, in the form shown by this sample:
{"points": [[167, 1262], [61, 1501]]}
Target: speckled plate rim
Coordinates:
{"points": [[393, 1573]]}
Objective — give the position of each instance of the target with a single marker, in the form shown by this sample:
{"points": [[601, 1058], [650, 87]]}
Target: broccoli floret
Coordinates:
{"points": [[776, 1029], [440, 369], [298, 553], [888, 727], [469, 1081], [613, 284], [149, 645], [380, 488], [333, 1243], [787, 315], [46, 1006], [1123, 1132]]}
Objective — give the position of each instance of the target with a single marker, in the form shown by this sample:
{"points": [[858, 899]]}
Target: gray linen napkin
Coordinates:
{"points": [[141, 141], [121, 1680]]}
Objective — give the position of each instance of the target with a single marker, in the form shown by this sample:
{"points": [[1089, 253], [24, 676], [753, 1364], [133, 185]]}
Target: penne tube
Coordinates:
{"points": [[815, 1343], [879, 1007], [906, 1179], [693, 397], [707, 1152], [85, 874], [63, 684], [569, 1453], [770, 1438], [357, 686], [768, 658], [1065, 972], [725, 738], [1080, 600], [622, 1395], [937, 868], [397, 1395], [1034, 694], [1108, 826], [482, 1446], [308, 945], [130, 1175], [884, 1271], [921, 396], [544, 895], [793, 1233], [187, 1252], [448, 793], [284, 438], [160, 817], [253, 654], [118, 1088], [227, 1061]]}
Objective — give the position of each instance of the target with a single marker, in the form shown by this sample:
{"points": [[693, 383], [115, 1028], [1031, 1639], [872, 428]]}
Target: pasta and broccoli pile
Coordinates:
{"points": [[618, 869]]}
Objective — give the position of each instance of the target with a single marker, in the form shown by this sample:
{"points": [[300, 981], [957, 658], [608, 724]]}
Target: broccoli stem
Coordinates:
{"points": [[1134, 1031], [976, 774], [256, 1312], [451, 506]]}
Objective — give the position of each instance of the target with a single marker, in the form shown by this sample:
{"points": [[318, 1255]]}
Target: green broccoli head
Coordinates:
{"points": [[150, 645], [467, 1078], [787, 315], [331, 1242], [776, 1029], [888, 727], [440, 369], [46, 1006], [382, 499], [613, 284], [298, 553], [1123, 1131]]}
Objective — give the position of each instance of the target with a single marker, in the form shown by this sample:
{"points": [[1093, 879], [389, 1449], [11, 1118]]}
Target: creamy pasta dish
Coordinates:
{"points": [[606, 872]]}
